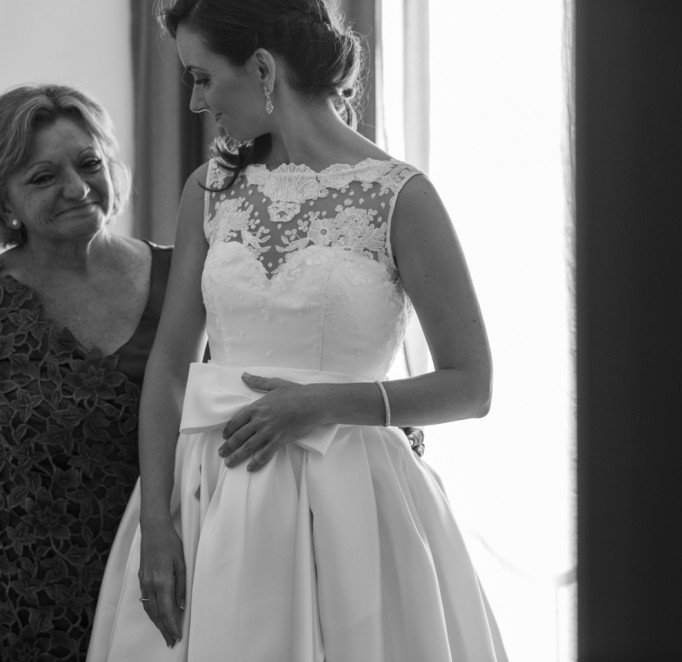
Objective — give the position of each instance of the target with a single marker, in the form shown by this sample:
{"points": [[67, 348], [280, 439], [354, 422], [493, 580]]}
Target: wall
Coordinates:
{"points": [[84, 43]]}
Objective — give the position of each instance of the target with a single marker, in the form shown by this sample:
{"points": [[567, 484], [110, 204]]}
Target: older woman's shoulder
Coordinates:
{"points": [[146, 257], [161, 254], [159, 248], [9, 264], [14, 293], [143, 246]]}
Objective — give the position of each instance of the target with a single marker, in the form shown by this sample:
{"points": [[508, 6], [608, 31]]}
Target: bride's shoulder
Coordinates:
{"points": [[197, 184], [200, 174]]}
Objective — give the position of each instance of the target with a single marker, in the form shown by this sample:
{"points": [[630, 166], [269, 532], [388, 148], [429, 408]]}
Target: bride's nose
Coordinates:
{"points": [[197, 104]]}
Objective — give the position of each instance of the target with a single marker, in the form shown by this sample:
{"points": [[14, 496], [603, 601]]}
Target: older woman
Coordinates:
{"points": [[79, 307]]}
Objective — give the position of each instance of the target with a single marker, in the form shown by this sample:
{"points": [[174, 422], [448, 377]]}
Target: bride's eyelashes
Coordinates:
{"points": [[193, 80]]}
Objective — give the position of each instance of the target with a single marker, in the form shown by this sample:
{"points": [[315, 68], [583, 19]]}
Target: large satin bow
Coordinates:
{"points": [[215, 393]]}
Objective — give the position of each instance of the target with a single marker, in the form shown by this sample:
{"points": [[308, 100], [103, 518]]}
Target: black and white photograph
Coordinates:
{"points": [[340, 331]]}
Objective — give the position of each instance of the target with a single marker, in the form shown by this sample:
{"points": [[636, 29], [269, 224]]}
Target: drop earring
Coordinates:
{"points": [[268, 100]]}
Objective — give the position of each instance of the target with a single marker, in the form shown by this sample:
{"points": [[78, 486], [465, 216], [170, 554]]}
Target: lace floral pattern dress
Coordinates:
{"points": [[343, 547], [68, 464]]}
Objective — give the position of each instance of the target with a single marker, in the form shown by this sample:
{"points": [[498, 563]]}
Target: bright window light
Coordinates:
{"points": [[497, 143]]}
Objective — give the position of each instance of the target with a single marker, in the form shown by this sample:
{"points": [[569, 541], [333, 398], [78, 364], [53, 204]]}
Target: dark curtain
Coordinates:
{"points": [[629, 276], [363, 17], [171, 141]]}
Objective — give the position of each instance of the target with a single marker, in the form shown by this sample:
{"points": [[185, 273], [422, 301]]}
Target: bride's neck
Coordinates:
{"points": [[312, 134]]}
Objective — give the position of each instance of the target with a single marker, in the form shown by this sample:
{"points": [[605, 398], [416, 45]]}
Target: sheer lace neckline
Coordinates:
{"points": [[275, 213], [335, 168]]}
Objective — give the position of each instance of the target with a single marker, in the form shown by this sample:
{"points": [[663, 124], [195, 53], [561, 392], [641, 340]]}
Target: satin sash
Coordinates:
{"points": [[215, 393]]}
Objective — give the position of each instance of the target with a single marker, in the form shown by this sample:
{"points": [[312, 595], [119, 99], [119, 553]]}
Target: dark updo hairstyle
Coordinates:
{"points": [[27, 109], [324, 59]]}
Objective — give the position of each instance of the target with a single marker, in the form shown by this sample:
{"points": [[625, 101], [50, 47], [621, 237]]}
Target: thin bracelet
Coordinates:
{"points": [[387, 406]]}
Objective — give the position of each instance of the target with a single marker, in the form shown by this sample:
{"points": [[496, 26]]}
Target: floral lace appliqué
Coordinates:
{"points": [[234, 219], [288, 188], [273, 213], [351, 229]]}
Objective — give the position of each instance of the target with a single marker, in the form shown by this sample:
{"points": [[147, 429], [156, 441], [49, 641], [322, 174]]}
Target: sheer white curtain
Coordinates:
{"points": [[403, 104], [473, 94]]}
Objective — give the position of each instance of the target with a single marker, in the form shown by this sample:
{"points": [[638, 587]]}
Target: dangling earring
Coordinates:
{"points": [[268, 100], [15, 224]]}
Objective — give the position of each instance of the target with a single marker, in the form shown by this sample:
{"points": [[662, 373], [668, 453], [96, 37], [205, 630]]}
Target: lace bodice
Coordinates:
{"points": [[300, 271]]}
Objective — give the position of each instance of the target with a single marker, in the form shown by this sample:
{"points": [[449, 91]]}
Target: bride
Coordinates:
{"points": [[289, 521]]}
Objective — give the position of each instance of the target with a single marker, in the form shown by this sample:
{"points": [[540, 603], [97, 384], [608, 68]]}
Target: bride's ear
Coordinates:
{"points": [[263, 65]]}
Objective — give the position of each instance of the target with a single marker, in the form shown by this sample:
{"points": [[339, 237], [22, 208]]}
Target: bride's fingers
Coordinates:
{"points": [[265, 384], [260, 384], [151, 606], [168, 618], [239, 420], [180, 583], [246, 450], [237, 440], [263, 456]]}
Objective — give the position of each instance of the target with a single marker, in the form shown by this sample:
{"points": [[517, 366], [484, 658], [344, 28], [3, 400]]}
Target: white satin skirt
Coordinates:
{"points": [[342, 548]]}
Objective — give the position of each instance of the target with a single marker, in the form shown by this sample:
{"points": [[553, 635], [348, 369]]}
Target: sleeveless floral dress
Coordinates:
{"points": [[68, 464]]}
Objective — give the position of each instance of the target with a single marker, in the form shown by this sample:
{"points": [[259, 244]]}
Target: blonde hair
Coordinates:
{"points": [[28, 108]]}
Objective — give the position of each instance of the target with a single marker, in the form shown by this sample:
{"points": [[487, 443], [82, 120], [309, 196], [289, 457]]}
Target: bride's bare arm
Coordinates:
{"points": [[180, 339], [435, 275]]}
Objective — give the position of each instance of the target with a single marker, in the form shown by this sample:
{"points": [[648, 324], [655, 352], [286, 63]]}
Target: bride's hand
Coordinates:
{"points": [[162, 579], [283, 415]]}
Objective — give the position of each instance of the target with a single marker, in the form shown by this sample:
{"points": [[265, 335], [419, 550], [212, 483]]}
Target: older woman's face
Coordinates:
{"points": [[63, 191]]}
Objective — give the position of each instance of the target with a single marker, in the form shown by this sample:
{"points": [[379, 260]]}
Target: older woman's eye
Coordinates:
{"points": [[42, 178], [92, 164]]}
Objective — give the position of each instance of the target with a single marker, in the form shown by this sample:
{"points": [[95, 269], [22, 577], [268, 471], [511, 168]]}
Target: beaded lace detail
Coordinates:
{"points": [[300, 271], [273, 213]]}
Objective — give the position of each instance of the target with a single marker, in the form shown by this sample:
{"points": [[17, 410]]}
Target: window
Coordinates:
{"points": [[494, 129]]}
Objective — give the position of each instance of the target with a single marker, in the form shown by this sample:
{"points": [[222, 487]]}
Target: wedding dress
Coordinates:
{"points": [[343, 548]]}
